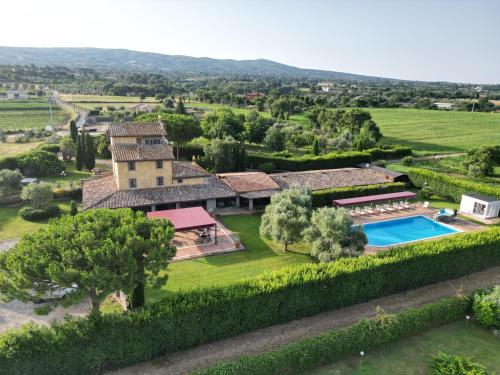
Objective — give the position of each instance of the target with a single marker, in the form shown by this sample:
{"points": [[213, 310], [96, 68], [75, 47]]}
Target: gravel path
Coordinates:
{"points": [[274, 337]]}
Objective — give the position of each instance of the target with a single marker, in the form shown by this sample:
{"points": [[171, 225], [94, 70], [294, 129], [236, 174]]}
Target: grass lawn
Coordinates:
{"points": [[72, 175], [29, 114], [259, 256], [412, 355], [12, 225], [13, 149]]}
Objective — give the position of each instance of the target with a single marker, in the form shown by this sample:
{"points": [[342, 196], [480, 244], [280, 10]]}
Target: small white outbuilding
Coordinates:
{"points": [[482, 206]]}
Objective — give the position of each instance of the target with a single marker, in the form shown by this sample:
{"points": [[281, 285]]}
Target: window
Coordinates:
{"points": [[131, 165], [132, 183], [152, 141], [179, 181], [159, 181], [139, 140], [159, 164], [479, 208]]}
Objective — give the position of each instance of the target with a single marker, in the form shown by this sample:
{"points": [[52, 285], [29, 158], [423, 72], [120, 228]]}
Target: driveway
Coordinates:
{"points": [[15, 313]]}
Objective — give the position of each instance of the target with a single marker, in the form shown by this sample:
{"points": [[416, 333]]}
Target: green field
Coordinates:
{"points": [[70, 98], [412, 355], [28, 114], [259, 256], [12, 148]]}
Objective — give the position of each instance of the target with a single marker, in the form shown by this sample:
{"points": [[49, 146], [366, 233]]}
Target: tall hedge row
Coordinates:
{"points": [[394, 152], [450, 187], [305, 355], [325, 197], [192, 318], [310, 162]]}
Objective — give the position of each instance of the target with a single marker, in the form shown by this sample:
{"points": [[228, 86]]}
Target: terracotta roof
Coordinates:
{"points": [[132, 129], [328, 178], [185, 169], [248, 181], [141, 151], [150, 196]]}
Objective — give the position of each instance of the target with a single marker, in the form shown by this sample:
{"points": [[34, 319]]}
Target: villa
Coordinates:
{"points": [[146, 176]]}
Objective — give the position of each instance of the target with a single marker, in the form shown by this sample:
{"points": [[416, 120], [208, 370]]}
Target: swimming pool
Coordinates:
{"points": [[404, 230]]}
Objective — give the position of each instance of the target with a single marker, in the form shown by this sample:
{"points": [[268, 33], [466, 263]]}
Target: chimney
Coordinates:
{"points": [[193, 161]]}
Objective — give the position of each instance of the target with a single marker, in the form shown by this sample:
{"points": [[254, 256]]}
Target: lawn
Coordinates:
{"points": [[72, 175], [12, 225], [412, 355], [12, 148], [259, 256], [29, 114]]}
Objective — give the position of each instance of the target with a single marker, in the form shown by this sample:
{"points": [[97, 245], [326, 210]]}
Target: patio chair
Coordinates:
{"points": [[379, 208], [404, 204], [388, 207], [426, 204], [359, 211], [368, 210], [396, 206]]}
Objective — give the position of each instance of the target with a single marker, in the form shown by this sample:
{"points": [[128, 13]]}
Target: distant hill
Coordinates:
{"points": [[126, 60]]}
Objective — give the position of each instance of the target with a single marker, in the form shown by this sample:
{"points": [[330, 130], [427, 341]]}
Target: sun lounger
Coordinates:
{"points": [[426, 204], [368, 210]]}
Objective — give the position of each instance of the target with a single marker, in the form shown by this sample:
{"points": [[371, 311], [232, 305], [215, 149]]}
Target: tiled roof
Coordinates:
{"points": [[328, 178], [141, 151], [152, 196], [96, 189], [184, 169], [132, 129], [248, 181]]}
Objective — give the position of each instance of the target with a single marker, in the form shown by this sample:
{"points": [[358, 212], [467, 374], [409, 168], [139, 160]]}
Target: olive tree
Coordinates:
{"points": [[40, 195], [286, 217], [332, 235], [10, 181], [100, 250]]}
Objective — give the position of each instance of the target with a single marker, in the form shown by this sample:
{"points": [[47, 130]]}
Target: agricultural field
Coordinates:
{"points": [[13, 149], [104, 99], [29, 114], [412, 355]]}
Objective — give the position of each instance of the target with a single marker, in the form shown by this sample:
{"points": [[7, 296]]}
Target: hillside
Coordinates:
{"points": [[126, 60]]}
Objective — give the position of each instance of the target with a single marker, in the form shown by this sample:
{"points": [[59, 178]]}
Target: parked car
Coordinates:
{"points": [[55, 293]]}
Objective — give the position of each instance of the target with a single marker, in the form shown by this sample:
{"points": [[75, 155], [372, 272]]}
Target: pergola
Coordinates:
{"points": [[186, 219], [374, 198]]}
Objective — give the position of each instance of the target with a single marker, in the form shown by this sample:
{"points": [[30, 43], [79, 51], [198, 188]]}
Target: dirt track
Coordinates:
{"points": [[273, 337]]}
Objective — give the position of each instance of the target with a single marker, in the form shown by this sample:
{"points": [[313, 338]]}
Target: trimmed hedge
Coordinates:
{"points": [[50, 147], [192, 318], [325, 197], [33, 214], [450, 187], [187, 151], [309, 162], [394, 152], [305, 355], [60, 193]]}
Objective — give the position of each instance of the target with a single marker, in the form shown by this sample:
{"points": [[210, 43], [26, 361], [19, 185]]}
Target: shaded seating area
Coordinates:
{"points": [[383, 203], [194, 219]]}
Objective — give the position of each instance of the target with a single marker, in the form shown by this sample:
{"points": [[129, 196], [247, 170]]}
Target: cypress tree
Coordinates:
{"points": [[179, 108], [73, 130], [315, 149], [79, 152], [89, 152]]}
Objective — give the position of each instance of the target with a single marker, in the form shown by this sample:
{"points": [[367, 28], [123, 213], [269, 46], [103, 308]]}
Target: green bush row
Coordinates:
{"points": [[192, 318], [33, 214], [394, 152], [308, 354], [310, 162], [325, 197], [74, 193], [450, 187], [36, 163]]}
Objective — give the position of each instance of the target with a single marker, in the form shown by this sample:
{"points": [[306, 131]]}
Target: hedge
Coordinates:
{"points": [[305, 355], [309, 162], [394, 152], [37, 163], [191, 318], [50, 147], [72, 193], [325, 197], [450, 187], [33, 214]]}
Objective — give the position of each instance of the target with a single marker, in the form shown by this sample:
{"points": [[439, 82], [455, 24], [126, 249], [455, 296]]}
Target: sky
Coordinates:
{"points": [[430, 40]]}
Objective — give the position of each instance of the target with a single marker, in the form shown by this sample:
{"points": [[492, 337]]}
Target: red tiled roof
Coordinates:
{"points": [[248, 181], [185, 218], [132, 129], [141, 151]]}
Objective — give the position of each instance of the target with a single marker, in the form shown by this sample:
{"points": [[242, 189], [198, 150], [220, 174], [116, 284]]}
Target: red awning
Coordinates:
{"points": [[374, 198], [185, 218]]}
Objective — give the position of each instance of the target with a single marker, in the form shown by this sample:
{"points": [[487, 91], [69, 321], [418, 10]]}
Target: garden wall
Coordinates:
{"points": [[193, 318]]}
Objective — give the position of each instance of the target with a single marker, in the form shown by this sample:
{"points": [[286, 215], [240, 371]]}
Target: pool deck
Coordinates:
{"points": [[460, 224]]}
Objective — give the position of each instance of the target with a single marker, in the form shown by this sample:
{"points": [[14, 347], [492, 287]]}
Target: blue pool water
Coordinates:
{"points": [[403, 230]]}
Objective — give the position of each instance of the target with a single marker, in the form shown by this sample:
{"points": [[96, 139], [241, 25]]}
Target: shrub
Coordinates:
{"points": [[448, 364], [72, 193], [407, 160], [425, 193], [486, 308], [49, 147], [326, 196], [187, 319], [305, 355], [267, 167], [450, 187], [33, 214], [9, 162], [282, 154], [40, 163], [393, 152], [73, 208], [187, 151], [310, 162]]}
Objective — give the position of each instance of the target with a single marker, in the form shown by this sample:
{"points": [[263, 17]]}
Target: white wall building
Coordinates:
{"points": [[481, 206]]}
